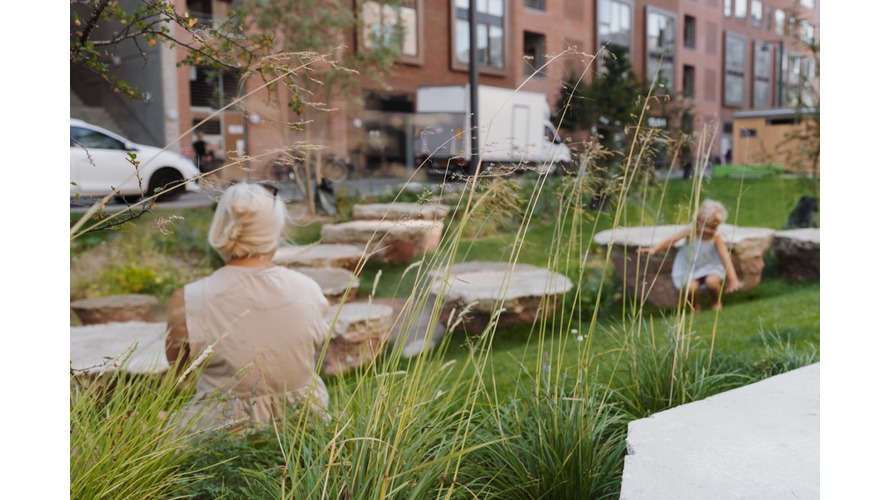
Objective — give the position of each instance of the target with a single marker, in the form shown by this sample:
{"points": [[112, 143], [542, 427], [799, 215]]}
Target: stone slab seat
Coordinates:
{"points": [[797, 251], [526, 293], [334, 281], [116, 308], [387, 241], [648, 277], [321, 255], [360, 332], [102, 347], [400, 210]]}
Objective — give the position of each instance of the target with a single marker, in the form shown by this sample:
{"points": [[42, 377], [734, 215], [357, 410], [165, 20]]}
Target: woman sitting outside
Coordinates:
{"points": [[264, 323]]}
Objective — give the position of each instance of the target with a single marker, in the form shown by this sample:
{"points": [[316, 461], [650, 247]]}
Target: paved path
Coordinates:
{"points": [[760, 441]]}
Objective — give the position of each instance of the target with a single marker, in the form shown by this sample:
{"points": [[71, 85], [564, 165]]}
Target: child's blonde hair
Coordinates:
{"points": [[710, 210]]}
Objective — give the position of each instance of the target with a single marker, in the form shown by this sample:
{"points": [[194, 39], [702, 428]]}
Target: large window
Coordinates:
{"points": [[388, 24], [689, 32], [489, 32], [533, 49], [763, 55], [212, 88], [689, 82], [734, 70], [535, 4], [660, 47], [741, 9], [614, 23], [780, 21], [756, 12]]}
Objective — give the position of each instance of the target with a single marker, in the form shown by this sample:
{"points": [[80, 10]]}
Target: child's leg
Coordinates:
{"points": [[714, 284], [690, 294]]}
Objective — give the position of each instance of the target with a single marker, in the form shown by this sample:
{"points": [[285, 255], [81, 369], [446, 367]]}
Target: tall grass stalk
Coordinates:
{"points": [[125, 442]]}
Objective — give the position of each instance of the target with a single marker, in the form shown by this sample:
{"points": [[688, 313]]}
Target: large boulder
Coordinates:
{"points": [[399, 211], [299, 256], [648, 277], [475, 292], [360, 331], [116, 309], [397, 242], [797, 251]]}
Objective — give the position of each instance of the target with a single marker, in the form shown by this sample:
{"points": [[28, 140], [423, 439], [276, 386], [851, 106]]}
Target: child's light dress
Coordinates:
{"points": [[695, 260]]}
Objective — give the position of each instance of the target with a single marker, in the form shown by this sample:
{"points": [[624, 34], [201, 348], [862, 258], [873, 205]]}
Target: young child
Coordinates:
{"points": [[703, 258]]}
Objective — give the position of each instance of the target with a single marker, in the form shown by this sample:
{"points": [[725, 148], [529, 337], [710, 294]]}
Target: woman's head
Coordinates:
{"points": [[249, 220]]}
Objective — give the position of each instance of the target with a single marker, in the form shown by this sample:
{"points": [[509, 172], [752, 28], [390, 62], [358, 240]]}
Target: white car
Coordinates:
{"points": [[104, 162]]}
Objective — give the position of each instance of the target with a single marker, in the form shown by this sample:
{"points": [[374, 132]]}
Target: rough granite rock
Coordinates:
{"points": [[398, 211], [521, 292], [387, 241], [340, 256], [334, 281], [360, 331], [649, 276], [116, 308], [797, 251]]}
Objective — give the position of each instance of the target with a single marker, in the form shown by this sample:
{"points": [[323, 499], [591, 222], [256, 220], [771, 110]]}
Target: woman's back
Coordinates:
{"points": [[265, 325]]}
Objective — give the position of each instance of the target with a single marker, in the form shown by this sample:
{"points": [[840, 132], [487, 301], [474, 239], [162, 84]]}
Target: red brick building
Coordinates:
{"points": [[720, 56]]}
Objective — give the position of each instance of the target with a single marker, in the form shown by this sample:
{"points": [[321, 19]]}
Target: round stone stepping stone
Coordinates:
{"points": [[387, 241], [334, 282], [322, 255], [797, 251], [525, 293], [360, 332], [102, 347], [400, 210], [116, 308], [648, 277]]}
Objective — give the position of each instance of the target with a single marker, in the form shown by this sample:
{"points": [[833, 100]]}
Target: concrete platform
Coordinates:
{"points": [[757, 442]]}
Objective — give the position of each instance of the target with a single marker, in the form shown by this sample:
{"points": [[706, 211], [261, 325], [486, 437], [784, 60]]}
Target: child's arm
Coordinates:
{"points": [[664, 244], [732, 280]]}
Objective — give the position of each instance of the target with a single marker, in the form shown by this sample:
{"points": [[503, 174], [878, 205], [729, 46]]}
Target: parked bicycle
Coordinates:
{"points": [[298, 171], [335, 169]]}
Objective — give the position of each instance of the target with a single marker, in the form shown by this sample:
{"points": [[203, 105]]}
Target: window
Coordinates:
{"points": [[535, 4], [660, 47], [741, 9], [389, 24], [807, 3], [756, 12], [807, 31], [734, 70], [614, 23], [689, 82], [689, 32], [86, 138], [533, 49], [768, 15], [489, 32], [212, 88], [763, 53], [780, 21], [212, 14], [727, 8]]}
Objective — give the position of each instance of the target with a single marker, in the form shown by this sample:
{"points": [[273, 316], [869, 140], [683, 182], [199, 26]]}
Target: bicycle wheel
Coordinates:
{"points": [[335, 171]]}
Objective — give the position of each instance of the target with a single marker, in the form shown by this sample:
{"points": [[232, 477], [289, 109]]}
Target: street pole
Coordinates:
{"points": [[474, 91], [780, 99]]}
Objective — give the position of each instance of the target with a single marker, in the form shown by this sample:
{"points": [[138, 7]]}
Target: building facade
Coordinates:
{"points": [[718, 56]]}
